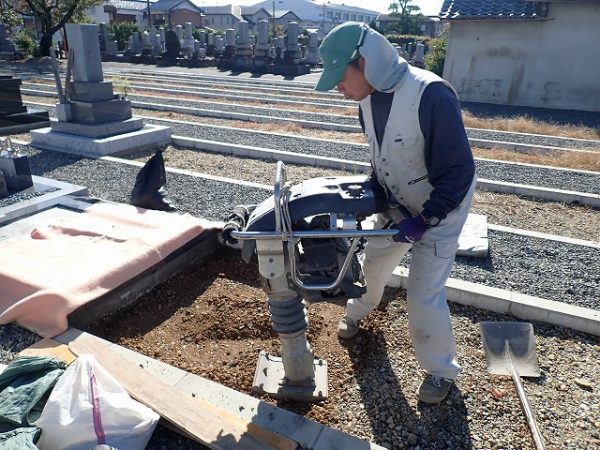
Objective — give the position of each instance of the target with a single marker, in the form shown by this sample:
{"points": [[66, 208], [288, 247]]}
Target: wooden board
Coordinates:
{"points": [[50, 347], [195, 418]]}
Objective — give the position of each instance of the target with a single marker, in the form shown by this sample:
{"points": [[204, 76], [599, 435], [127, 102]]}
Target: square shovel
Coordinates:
{"points": [[510, 350]]}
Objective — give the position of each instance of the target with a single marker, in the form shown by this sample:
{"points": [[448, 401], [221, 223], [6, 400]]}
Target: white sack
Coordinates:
{"points": [[88, 406]]}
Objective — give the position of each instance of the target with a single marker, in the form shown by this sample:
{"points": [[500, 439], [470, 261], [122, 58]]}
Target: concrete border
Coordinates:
{"points": [[514, 303], [359, 166], [549, 237]]}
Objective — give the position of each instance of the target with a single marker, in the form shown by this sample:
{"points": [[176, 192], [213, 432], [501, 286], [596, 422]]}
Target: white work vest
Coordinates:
{"points": [[400, 161]]}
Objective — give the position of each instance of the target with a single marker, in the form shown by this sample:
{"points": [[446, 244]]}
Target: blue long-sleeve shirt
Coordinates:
{"points": [[448, 156]]}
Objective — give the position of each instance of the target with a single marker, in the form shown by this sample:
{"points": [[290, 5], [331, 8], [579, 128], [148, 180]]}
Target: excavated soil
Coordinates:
{"points": [[212, 320]]}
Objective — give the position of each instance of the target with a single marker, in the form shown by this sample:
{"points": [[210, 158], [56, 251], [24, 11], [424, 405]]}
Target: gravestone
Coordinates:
{"points": [[188, 40], [146, 43], [312, 56], [219, 47], [292, 52], [162, 38], [210, 44], [14, 116], [103, 36], [172, 45], [262, 49], [419, 56], [243, 49], [179, 33], [7, 48], [97, 121], [227, 60]]}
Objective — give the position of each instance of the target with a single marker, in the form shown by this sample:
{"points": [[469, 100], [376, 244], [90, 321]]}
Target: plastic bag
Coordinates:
{"points": [[148, 191], [88, 407]]}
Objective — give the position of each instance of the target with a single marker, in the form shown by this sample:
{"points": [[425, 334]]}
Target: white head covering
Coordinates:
{"points": [[384, 68]]}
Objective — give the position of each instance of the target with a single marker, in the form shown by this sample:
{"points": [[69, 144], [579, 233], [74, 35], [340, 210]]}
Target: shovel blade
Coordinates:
{"points": [[509, 342]]}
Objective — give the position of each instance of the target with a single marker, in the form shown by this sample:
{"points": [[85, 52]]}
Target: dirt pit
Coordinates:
{"points": [[212, 320]]}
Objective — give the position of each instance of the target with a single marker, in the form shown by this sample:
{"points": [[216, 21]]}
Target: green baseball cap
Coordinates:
{"points": [[338, 48]]}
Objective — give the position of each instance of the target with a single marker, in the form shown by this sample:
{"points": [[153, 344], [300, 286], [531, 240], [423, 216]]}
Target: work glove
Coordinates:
{"points": [[409, 230]]}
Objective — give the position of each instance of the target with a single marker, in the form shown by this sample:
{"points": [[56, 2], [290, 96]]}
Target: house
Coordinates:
{"points": [[135, 11], [319, 14], [385, 21], [175, 12], [222, 17], [253, 15], [522, 52], [283, 17]]}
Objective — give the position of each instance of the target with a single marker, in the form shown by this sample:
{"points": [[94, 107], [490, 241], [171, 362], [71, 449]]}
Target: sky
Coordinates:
{"points": [[428, 7]]}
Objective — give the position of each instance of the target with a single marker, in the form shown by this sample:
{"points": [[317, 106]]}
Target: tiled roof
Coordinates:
{"points": [[492, 9], [129, 4], [167, 5]]}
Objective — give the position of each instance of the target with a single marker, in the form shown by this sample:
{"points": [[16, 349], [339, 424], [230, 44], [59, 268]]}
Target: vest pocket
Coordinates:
{"points": [[409, 153], [445, 250]]}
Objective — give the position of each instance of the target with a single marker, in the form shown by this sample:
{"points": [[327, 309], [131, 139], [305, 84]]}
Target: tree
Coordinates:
{"points": [[52, 15]]}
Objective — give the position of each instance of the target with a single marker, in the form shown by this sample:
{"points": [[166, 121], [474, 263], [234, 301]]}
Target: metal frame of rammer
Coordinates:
{"points": [[296, 374]]}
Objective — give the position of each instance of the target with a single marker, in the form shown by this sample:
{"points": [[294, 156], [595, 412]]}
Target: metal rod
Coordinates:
{"points": [[59, 89], [243, 235], [535, 431], [320, 287]]}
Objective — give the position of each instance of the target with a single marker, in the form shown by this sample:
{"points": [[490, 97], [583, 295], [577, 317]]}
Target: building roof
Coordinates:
{"points": [[492, 9], [249, 10], [168, 5], [311, 10], [388, 18], [233, 10], [138, 5]]}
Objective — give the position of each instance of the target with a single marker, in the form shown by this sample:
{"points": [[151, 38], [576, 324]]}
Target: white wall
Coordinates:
{"points": [[550, 64], [97, 14]]}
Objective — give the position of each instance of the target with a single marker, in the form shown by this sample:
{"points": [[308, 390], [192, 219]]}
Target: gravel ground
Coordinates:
{"points": [[474, 133], [521, 174], [22, 196], [227, 107]]}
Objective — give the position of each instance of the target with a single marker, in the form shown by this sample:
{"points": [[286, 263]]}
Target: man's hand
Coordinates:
{"points": [[410, 230]]}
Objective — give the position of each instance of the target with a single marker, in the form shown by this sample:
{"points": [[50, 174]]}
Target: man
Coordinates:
{"points": [[421, 157]]}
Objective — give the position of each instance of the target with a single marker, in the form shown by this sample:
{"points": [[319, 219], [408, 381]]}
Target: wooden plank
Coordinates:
{"points": [[50, 347], [195, 418]]}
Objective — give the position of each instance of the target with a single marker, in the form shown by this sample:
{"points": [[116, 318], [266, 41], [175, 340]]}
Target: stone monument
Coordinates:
{"points": [[14, 116], [243, 49], [95, 122], [188, 40], [227, 60], [262, 49], [419, 56], [7, 48], [312, 56]]}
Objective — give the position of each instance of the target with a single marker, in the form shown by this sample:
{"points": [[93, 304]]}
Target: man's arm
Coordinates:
{"points": [[448, 155]]}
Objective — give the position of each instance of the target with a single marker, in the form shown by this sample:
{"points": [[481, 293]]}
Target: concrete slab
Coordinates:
{"points": [[148, 137], [307, 433]]}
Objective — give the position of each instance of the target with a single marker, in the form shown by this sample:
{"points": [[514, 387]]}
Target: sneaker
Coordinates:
{"points": [[434, 389], [347, 328]]}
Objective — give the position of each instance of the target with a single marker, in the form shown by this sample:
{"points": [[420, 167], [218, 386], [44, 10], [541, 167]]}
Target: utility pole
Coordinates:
{"points": [[273, 19], [149, 16]]}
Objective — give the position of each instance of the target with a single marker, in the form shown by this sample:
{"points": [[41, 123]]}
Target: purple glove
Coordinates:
{"points": [[409, 230]]}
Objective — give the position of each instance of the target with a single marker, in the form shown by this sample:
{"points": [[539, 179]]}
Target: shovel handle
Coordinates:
{"points": [[535, 431]]}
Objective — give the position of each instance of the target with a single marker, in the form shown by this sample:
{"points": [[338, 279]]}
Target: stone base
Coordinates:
{"points": [[81, 91], [102, 130], [100, 112], [150, 136], [23, 122]]}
